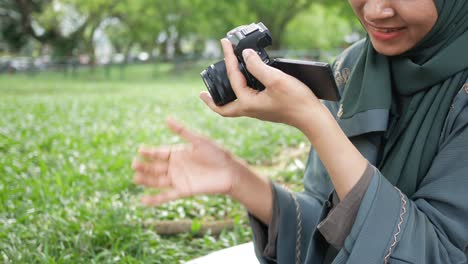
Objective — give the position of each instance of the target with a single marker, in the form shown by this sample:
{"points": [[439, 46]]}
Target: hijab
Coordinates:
{"points": [[417, 88]]}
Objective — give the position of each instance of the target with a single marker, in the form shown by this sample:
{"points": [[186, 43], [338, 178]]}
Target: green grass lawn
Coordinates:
{"points": [[66, 144]]}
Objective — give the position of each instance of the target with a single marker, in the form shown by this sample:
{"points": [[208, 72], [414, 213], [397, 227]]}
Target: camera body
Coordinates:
{"points": [[253, 36], [257, 37]]}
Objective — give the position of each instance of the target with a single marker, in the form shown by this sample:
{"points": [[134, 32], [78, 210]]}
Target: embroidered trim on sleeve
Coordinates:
{"points": [[299, 229], [395, 236], [299, 225]]}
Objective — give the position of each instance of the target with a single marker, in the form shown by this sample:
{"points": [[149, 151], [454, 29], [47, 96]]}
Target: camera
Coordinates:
{"points": [[317, 75]]}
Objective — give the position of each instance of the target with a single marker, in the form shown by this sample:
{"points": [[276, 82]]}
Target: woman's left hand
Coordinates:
{"points": [[284, 100]]}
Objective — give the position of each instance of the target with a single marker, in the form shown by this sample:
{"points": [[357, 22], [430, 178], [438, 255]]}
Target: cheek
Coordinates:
{"points": [[430, 22], [422, 26], [423, 21]]}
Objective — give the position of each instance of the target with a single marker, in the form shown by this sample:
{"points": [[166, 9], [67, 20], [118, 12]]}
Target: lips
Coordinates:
{"points": [[385, 29], [385, 33], [388, 30]]}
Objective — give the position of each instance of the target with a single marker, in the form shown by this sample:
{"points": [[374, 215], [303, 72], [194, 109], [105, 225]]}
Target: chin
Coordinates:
{"points": [[389, 49], [389, 53]]}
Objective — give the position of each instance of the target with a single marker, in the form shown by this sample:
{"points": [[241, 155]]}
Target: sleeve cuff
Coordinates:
{"points": [[337, 225], [265, 236]]}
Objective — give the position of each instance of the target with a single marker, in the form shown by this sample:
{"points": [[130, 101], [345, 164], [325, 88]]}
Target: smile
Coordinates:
{"points": [[385, 33], [385, 29]]}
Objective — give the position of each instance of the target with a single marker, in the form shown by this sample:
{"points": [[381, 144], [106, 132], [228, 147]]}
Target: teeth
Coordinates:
{"points": [[386, 30]]}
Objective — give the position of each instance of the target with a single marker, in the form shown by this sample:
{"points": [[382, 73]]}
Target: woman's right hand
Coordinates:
{"points": [[199, 167]]}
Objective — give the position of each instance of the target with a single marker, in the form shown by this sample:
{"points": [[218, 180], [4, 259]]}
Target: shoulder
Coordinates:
{"points": [[341, 68], [457, 117], [460, 103], [345, 61]]}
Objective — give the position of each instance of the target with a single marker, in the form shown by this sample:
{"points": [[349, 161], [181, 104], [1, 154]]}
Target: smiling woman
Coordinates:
{"points": [[386, 175], [394, 27]]}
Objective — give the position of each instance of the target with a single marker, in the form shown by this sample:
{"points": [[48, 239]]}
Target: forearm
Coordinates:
{"points": [[254, 192], [343, 161]]}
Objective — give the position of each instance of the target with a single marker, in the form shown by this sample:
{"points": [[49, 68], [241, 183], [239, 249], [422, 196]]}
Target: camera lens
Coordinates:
{"points": [[217, 82]]}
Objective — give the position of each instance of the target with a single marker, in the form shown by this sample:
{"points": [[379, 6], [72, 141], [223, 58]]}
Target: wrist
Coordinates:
{"points": [[242, 180], [252, 191], [240, 168], [314, 120], [343, 162]]}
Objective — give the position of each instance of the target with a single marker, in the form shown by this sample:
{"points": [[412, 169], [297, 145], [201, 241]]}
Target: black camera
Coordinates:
{"points": [[317, 75]]}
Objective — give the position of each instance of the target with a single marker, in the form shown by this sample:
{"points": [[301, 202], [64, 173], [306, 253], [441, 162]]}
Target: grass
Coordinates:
{"points": [[66, 144]]}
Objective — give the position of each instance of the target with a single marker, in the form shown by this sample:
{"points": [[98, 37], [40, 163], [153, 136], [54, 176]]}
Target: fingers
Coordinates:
{"points": [[159, 153], [228, 110], [266, 74], [162, 181], [236, 78], [151, 174], [150, 169]]}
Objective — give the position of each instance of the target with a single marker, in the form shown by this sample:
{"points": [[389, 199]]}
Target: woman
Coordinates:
{"points": [[388, 169]]}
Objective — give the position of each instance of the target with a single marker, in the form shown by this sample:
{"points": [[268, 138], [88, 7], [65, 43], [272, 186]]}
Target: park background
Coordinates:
{"points": [[84, 83]]}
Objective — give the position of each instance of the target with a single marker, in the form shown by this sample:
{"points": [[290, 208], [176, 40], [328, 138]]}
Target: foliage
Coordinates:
{"points": [[66, 191], [277, 14], [69, 26], [12, 23], [326, 28]]}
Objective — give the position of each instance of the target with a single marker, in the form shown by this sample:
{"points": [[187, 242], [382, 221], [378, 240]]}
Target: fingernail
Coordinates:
{"points": [[247, 53], [388, 11]]}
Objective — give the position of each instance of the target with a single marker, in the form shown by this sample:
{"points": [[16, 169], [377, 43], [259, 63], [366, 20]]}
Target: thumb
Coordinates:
{"points": [[266, 74]]}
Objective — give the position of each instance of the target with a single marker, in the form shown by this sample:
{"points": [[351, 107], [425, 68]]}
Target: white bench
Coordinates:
{"points": [[243, 253]]}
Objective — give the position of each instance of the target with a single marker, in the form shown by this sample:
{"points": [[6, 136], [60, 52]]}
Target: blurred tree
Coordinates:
{"points": [[217, 18], [66, 25], [14, 27], [40, 19], [170, 27], [91, 13], [134, 22], [181, 25], [119, 35], [320, 27], [197, 20], [277, 14]]}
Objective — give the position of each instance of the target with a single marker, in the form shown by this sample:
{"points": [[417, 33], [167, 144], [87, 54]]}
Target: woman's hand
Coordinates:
{"points": [[284, 100], [200, 167], [289, 101]]}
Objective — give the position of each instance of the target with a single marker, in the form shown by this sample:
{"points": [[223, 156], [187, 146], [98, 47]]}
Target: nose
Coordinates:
{"points": [[378, 10]]}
